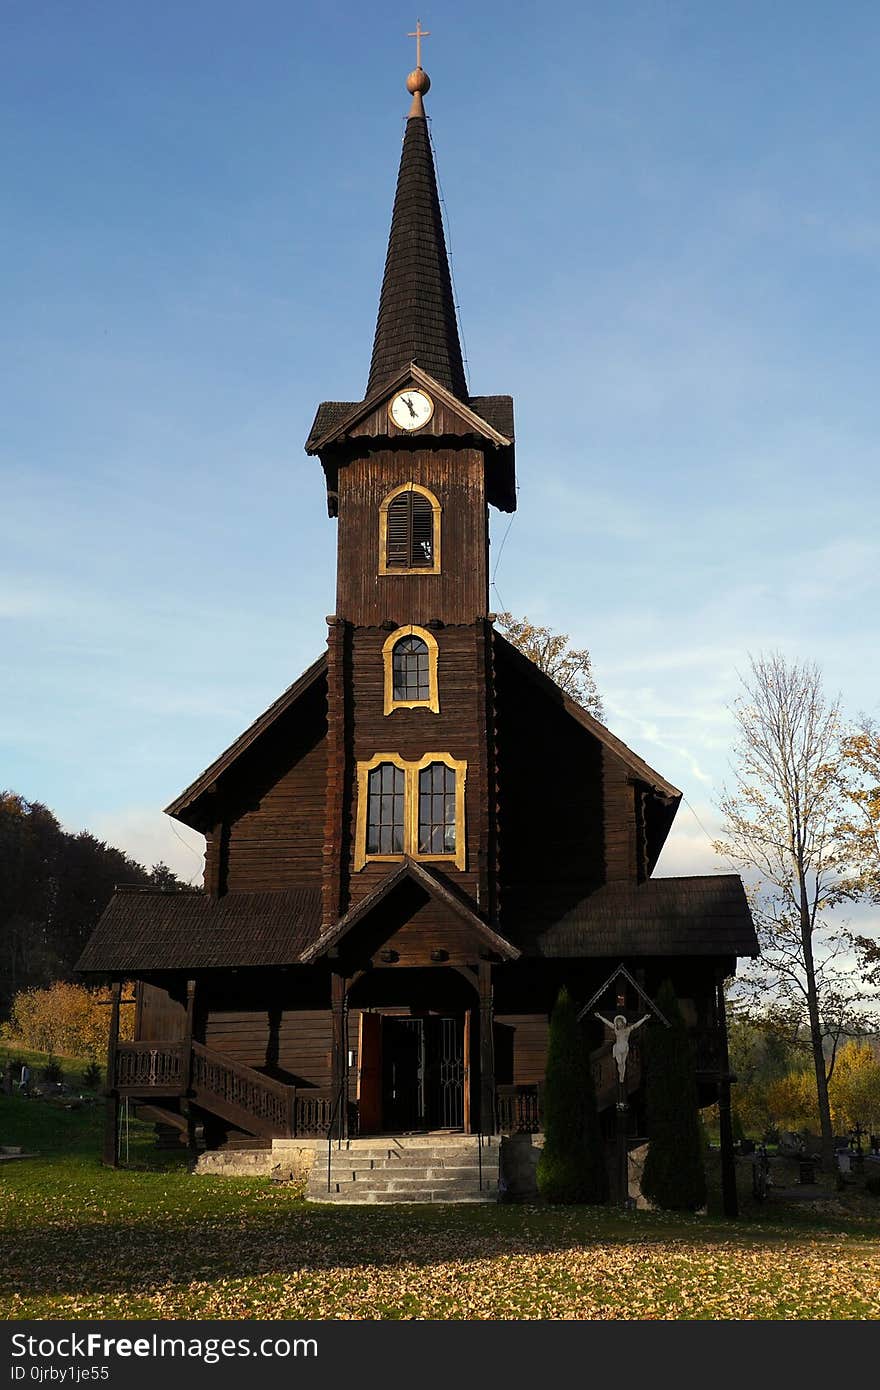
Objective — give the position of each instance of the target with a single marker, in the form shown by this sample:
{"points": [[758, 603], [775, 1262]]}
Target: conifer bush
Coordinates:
{"points": [[572, 1163], [674, 1177]]}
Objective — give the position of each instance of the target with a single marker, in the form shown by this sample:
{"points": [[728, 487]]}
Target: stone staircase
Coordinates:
{"points": [[410, 1168]]}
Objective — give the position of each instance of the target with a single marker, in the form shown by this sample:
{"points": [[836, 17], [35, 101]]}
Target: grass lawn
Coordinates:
{"points": [[81, 1241]]}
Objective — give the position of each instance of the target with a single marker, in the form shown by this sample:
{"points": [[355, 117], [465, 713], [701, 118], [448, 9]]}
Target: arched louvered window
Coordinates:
{"points": [[409, 531]]}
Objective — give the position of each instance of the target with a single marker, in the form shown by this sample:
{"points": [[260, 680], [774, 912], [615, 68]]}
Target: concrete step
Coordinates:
{"points": [[420, 1196]]}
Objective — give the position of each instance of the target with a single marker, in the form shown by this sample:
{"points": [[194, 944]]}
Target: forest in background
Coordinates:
{"points": [[54, 885]]}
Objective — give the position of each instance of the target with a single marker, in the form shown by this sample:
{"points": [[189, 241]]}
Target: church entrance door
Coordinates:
{"points": [[423, 1073]]}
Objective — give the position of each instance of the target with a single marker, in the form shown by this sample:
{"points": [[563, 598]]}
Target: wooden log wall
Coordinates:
{"points": [[159, 1017], [460, 592], [295, 1041], [459, 729], [276, 809], [550, 775], [520, 1048]]}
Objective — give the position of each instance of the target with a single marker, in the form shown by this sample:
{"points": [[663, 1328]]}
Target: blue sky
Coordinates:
{"points": [[665, 233]]}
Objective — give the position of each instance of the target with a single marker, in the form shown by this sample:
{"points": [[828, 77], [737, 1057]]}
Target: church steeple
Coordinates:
{"points": [[416, 321]]}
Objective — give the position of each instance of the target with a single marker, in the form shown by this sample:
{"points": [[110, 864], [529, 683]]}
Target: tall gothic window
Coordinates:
{"points": [[409, 531]]}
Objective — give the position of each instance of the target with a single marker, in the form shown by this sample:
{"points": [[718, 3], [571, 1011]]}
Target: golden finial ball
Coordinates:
{"points": [[418, 81]]}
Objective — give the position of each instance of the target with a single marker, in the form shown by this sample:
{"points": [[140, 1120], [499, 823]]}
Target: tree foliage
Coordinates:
{"points": [[65, 1018], [782, 821], [53, 888], [859, 827], [673, 1177], [572, 1163], [570, 667]]}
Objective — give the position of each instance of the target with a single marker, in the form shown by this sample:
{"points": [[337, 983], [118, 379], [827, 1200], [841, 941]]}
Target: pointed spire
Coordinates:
{"points": [[416, 321]]}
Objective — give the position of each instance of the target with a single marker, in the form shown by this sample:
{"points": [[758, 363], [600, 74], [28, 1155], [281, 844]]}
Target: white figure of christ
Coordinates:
{"points": [[621, 1030]]}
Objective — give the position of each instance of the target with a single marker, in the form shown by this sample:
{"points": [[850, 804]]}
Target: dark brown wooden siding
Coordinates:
{"points": [[459, 594], [550, 775], [159, 1017], [520, 1049], [622, 858], [276, 818], [292, 1041], [458, 729]]}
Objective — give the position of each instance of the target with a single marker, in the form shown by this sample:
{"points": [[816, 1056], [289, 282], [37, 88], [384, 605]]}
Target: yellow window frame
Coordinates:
{"points": [[411, 809], [436, 511], [433, 700]]}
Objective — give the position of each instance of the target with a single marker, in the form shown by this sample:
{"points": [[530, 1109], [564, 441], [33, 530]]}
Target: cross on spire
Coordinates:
{"points": [[418, 35]]}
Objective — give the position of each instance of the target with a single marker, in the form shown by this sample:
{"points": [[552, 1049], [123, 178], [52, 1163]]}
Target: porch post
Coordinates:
{"points": [[186, 1068], [339, 1059], [487, 1049], [729, 1197], [110, 1157]]}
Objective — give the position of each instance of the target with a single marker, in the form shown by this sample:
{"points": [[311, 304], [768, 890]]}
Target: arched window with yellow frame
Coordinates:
{"points": [[409, 657], [409, 531]]}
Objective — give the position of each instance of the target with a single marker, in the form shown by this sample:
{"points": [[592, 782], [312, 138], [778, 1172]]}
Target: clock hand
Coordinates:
{"points": [[409, 405]]}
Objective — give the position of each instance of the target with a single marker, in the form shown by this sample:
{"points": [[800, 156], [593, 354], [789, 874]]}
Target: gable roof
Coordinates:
{"points": [[342, 416], [639, 768], [205, 781], [705, 915], [144, 929], [410, 871], [416, 320]]}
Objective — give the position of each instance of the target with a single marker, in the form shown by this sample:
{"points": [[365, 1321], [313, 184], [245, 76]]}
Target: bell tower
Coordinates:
{"points": [[411, 471]]}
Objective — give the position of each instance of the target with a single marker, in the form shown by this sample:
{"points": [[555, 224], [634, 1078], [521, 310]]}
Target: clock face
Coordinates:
{"points": [[412, 409]]}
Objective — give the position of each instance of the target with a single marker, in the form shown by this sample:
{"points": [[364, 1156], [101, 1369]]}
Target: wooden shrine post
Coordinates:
{"points": [[730, 1200], [487, 1048], [110, 1156]]}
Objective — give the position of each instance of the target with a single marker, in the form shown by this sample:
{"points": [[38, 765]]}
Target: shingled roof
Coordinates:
{"points": [[144, 930], [416, 321], [699, 916]]}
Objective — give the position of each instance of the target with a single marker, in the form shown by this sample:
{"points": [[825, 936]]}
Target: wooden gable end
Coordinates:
{"points": [[576, 806], [269, 809]]}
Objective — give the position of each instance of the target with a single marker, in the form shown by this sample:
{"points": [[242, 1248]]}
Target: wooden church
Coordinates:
{"points": [[424, 837]]}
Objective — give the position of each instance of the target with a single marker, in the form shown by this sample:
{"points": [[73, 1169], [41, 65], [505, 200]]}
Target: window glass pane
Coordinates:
{"points": [[437, 809], [385, 809], [409, 670]]}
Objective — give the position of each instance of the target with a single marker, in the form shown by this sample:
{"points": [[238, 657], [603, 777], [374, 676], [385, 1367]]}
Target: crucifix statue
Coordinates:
{"points": [[621, 1030]]}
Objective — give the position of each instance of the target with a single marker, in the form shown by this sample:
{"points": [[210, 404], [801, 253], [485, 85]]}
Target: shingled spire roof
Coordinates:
{"points": [[416, 321]]}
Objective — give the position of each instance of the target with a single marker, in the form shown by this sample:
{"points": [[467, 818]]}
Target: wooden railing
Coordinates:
{"points": [[158, 1067], [240, 1094], [518, 1109], [313, 1113]]}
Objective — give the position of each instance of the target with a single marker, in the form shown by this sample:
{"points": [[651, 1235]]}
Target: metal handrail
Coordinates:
{"points": [[343, 1088]]}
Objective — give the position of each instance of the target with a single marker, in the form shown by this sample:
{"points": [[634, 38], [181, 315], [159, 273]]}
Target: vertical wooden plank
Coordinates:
{"points": [[487, 1049], [111, 1116]]}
